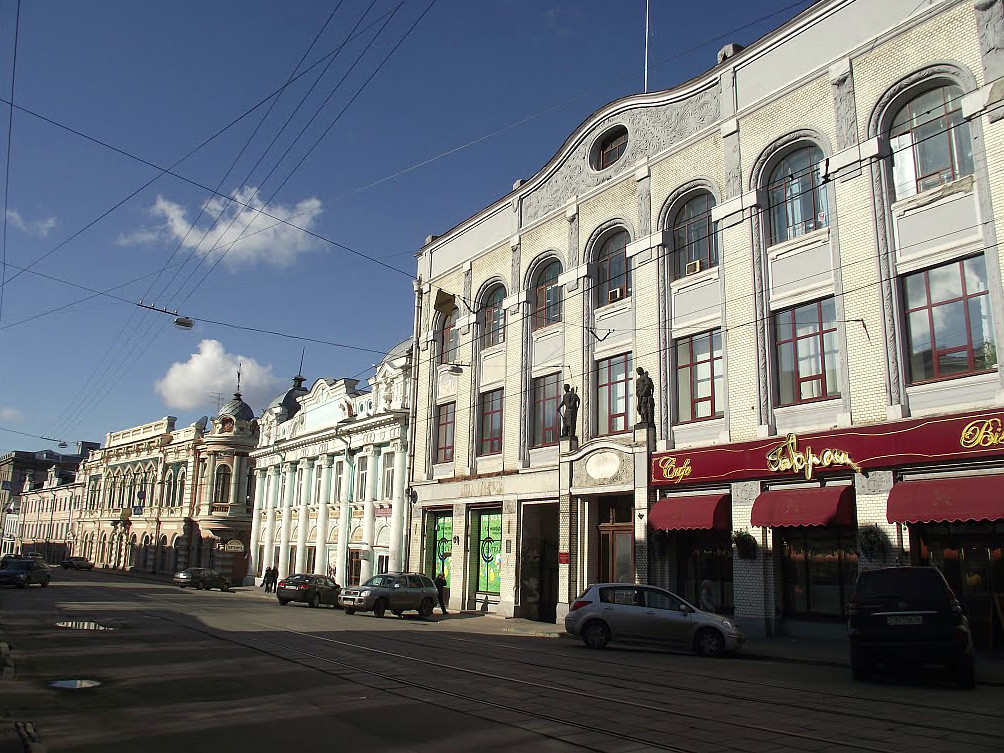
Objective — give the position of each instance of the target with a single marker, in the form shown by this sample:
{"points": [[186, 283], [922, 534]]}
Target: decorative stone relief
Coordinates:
{"points": [[650, 130], [602, 468], [645, 207], [990, 25], [744, 492], [846, 112], [876, 482]]}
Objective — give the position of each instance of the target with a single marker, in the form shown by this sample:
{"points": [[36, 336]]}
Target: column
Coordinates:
{"points": [[372, 477], [303, 514], [235, 481], [321, 542], [272, 502], [259, 499], [209, 486], [398, 518], [287, 519], [345, 518]]}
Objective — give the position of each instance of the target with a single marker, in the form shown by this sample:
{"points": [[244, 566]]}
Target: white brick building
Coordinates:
{"points": [[801, 241]]}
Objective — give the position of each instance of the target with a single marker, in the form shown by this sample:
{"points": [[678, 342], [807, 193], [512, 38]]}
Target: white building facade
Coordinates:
{"points": [[47, 514], [800, 242], [331, 471]]}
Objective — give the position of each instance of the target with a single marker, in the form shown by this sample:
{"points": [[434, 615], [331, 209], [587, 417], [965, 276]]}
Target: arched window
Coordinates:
{"points": [[169, 490], [222, 495], [547, 296], [695, 242], [796, 196], [493, 317], [613, 279], [449, 337], [180, 499], [930, 142]]}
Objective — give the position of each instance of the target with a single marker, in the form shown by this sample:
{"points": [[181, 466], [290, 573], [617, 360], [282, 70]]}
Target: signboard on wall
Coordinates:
{"points": [[563, 558], [234, 545]]}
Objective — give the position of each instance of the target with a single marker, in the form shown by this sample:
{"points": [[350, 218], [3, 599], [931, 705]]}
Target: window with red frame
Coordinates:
{"points": [[612, 273], [808, 358], [449, 337], [546, 397], [491, 423], [493, 317], [444, 432], [547, 296], [611, 148], [699, 377], [796, 196], [694, 237], [949, 327], [613, 386]]}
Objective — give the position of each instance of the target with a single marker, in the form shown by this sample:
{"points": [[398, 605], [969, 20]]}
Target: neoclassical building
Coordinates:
{"points": [[799, 248], [161, 499], [331, 470], [47, 513]]}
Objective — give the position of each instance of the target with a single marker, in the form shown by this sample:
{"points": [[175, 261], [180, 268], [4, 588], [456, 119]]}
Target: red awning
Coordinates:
{"points": [[819, 506], [710, 511], [946, 499]]}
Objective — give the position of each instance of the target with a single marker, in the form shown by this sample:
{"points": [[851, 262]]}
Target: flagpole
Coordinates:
{"points": [[646, 44]]}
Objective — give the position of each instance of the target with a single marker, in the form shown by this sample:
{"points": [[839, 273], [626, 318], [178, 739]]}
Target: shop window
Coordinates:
{"points": [[613, 385], [546, 397], [930, 142], [949, 327], [493, 318], [796, 196], [448, 337], [704, 569], [439, 543], [808, 358], [613, 278], [547, 296], [820, 566], [490, 413], [444, 432], [699, 377], [488, 553], [695, 242]]}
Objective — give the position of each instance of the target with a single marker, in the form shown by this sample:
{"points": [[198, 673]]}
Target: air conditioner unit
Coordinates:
{"points": [[693, 267], [615, 295]]}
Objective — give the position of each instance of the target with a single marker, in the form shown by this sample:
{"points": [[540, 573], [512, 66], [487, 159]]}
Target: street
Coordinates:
{"points": [[205, 670]]}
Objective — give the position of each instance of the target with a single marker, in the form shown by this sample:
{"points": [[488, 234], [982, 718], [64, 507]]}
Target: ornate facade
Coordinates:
{"points": [[331, 471]]}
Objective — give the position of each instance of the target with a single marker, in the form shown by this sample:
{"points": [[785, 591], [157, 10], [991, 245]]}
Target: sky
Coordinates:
{"points": [[274, 166]]}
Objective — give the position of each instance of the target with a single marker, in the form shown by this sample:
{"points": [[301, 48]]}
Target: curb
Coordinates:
{"points": [[6, 661]]}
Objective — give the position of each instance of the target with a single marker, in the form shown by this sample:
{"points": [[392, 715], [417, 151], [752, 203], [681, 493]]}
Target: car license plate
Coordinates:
{"points": [[906, 619]]}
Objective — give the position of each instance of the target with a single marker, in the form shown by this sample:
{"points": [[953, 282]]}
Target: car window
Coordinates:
{"points": [[328, 582], [915, 586], [414, 581], [380, 581], [628, 595], [400, 582], [427, 581], [21, 565], [661, 600]]}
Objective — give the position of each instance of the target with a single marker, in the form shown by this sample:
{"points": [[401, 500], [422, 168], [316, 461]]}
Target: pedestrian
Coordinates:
{"points": [[707, 597], [270, 573], [441, 588]]}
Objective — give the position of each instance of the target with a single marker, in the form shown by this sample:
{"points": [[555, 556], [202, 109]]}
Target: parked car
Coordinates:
{"points": [[34, 556], [76, 563], [7, 559], [313, 590], [624, 612], [200, 578], [23, 572], [397, 592], [908, 617]]}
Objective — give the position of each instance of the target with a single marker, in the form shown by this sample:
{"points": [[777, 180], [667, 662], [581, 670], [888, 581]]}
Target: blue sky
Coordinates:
{"points": [[478, 94]]}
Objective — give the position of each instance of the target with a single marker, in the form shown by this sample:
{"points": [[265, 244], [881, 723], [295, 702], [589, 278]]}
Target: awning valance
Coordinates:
{"points": [[948, 499], [818, 506], [709, 511]]}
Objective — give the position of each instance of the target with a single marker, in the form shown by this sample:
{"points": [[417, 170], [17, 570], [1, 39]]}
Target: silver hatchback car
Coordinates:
{"points": [[623, 611]]}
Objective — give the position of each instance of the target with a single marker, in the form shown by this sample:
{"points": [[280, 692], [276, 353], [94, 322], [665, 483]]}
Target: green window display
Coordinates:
{"points": [[489, 552], [439, 545]]}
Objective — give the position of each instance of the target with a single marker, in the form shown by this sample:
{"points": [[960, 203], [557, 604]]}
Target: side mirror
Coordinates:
{"points": [[397, 585]]}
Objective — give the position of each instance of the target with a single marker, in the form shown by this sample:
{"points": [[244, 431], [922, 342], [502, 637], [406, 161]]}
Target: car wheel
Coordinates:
{"points": [[709, 642], [425, 608], [380, 607], [348, 610], [225, 587], [180, 585], [315, 601], [45, 583], [595, 635], [965, 675], [198, 585], [65, 567], [283, 602], [398, 613], [23, 585]]}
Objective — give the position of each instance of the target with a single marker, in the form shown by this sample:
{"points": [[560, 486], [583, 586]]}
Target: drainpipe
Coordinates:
{"points": [[345, 514], [409, 492]]}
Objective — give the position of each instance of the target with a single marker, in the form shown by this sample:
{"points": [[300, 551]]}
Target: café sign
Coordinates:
{"points": [[787, 457]]}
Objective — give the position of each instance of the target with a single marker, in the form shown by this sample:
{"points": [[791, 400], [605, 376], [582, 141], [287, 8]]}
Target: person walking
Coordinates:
{"points": [[441, 588], [269, 579], [707, 597]]}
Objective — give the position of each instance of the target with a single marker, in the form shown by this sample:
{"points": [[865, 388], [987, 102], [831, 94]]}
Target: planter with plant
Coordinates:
{"points": [[745, 544], [872, 542]]}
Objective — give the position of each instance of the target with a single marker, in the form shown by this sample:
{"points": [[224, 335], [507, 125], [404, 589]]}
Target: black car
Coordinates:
{"points": [[200, 578], [313, 590], [908, 617], [22, 573], [76, 563]]}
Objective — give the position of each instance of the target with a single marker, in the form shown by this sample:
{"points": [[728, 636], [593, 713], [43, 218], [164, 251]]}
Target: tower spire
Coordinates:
{"points": [[239, 377]]}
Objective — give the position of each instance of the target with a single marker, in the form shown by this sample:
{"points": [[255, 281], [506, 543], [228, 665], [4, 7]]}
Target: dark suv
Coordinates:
{"points": [[908, 616]]}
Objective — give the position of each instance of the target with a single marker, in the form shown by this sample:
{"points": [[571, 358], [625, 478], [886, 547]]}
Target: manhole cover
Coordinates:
{"points": [[82, 625], [74, 684]]}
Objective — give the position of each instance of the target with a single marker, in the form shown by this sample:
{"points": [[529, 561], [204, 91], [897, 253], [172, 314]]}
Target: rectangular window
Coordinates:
{"points": [[444, 432], [546, 398], [819, 566], [363, 465], [808, 358], [613, 384], [491, 423], [949, 327], [439, 543], [699, 377], [318, 476], [489, 551], [339, 481], [388, 475]]}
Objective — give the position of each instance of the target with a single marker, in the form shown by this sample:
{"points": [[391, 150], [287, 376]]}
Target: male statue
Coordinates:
{"points": [[644, 391], [568, 410]]}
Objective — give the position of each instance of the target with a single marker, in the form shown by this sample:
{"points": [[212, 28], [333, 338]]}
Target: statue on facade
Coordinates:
{"points": [[644, 391], [568, 410]]}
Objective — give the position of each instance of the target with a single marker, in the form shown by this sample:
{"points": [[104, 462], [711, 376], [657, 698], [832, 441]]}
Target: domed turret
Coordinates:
{"points": [[288, 399], [237, 409]]}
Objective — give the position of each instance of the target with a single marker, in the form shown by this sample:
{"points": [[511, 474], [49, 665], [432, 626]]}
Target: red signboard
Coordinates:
{"points": [[562, 558], [921, 440]]}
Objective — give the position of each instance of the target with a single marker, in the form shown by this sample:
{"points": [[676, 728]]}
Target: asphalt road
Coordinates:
{"points": [[185, 670]]}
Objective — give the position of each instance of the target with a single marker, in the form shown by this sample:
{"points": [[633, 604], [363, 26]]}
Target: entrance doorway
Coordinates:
{"points": [[538, 563], [355, 567], [616, 532]]}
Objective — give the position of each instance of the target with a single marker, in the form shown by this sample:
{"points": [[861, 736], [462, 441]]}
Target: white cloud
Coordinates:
{"points": [[40, 228], [186, 386], [11, 414], [245, 235]]}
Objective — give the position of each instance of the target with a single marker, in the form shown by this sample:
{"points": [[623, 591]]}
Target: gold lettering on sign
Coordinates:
{"points": [[788, 458], [986, 432], [673, 472]]}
